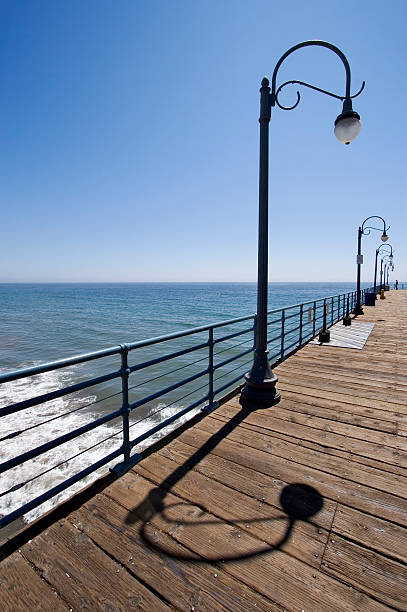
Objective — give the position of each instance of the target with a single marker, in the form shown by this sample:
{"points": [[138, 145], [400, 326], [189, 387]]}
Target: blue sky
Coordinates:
{"points": [[129, 139]]}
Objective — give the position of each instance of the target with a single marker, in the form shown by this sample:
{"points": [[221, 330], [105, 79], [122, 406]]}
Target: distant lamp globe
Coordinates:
{"points": [[347, 127], [384, 236]]}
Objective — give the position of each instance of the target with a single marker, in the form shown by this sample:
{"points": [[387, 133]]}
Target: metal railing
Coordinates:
{"points": [[205, 362]]}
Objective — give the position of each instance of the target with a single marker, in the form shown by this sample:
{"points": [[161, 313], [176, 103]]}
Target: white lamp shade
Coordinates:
{"points": [[347, 128]]}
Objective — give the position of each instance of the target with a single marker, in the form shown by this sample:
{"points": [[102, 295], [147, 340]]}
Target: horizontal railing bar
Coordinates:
{"points": [[150, 341], [146, 364], [43, 448], [168, 373], [46, 397], [59, 416], [296, 343], [293, 329], [229, 336], [275, 320], [85, 357], [55, 365], [234, 358], [270, 340], [291, 316], [312, 301], [6, 520], [158, 394], [230, 348]]}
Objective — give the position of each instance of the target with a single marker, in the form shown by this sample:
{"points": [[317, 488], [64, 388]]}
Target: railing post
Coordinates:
{"points": [[282, 333], [324, 334], [314, 321], [210, 368], [332, 310], [124, 373], [346, 318], [301, 313], [339, 307]]}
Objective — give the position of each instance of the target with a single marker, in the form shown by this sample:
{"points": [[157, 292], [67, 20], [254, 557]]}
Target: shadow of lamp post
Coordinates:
{"points": [[362, 230], [375, 265], [260, 388]]}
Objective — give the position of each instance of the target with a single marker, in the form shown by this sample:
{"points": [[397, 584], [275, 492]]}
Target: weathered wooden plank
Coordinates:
{"points": [[364, 462], [84, 575], [368, 571], [366, 418], [280, 430], [371, 531], [368, 368], [238, 447], [341, 397], [350, 431], [21, 588], [353, 390], [293, 366], [292, 584], [261, 519], [241, 478], [185, 585], [402, 426], [341, 427]]}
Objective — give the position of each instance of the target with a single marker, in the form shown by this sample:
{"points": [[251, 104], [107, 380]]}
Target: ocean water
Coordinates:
{"points": [[44, 322]]}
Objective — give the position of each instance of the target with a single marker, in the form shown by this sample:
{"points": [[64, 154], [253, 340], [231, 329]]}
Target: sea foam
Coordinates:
{"points": [[38, 426]]}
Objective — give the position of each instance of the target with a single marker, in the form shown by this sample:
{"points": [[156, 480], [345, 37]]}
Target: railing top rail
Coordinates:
{"points": [[59, 363], [85, 357], [328, 297], [114, 350], [188, 332]]}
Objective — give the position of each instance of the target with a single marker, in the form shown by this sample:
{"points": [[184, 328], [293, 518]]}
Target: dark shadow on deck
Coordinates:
{"points": [[298, 501]]}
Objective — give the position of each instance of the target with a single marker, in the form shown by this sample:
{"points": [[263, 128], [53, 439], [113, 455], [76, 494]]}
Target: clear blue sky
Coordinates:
{"points": [[129, 139]]}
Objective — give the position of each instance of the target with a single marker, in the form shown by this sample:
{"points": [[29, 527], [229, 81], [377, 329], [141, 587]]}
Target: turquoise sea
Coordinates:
{"points": [[45, 322]]}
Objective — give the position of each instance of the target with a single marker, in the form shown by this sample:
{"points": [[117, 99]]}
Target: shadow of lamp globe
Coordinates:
{"points": [[260, 389]]}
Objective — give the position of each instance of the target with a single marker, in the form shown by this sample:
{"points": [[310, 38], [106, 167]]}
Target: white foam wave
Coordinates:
{"points": [[23, 389]]}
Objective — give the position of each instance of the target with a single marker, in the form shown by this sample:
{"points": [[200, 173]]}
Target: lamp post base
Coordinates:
{"points": [[262, 394], [358, 310], [260, 388], [347, 320], [324, 336]]}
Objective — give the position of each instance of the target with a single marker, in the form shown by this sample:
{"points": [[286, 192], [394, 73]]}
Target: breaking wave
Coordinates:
{"points": [[34, 426]]}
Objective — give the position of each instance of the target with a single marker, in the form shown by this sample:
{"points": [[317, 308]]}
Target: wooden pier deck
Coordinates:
{"points": [[300, 507]]}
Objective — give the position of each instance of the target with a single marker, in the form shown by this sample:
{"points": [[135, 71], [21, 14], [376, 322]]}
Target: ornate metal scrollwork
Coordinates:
{"points": [[295, 82]]}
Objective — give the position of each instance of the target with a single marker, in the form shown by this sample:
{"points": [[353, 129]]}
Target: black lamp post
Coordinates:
{"points": [[385, 274], [381, 274], [387, 265], [375, 263], [362, 230], [260, 387]]}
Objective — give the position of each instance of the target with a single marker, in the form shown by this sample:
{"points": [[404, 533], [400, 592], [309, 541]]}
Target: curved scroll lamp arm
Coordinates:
{"points": [[366, 230], [347, 124]]}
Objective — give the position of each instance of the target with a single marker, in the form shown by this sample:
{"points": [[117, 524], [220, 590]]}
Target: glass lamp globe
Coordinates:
{"points": [[347, 127], [384, 236]]}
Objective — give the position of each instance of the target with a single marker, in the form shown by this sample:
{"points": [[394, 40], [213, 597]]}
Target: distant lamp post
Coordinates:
{"points": [[260, 387], [382, 246], [388, 263], [362, 230]]}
